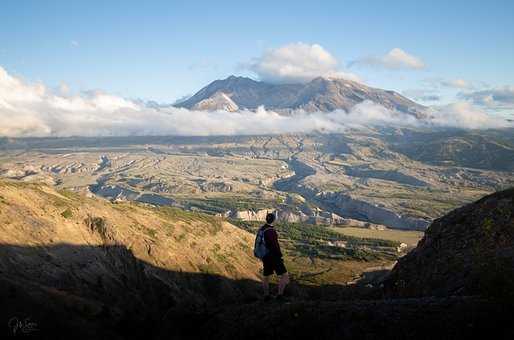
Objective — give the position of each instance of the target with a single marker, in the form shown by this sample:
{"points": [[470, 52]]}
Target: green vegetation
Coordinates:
{"points": [[67, 213], [488, 223], [216, 248], [311, 233], [221, 204], [58, 201], [324, 251], [213, 223], [208, 269], [318, 241], [150, 232], [169, 228], [409, 237], [68, 194], [180, 237]]}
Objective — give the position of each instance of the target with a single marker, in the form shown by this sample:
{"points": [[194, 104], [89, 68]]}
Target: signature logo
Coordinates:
{"points": [[25, 326]]}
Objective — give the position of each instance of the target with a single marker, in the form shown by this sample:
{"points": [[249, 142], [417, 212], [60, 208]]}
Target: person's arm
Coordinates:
{"points": [[271, 239]]}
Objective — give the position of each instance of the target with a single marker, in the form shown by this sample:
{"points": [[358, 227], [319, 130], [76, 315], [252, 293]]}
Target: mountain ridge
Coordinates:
{"points": [[320, 94]]}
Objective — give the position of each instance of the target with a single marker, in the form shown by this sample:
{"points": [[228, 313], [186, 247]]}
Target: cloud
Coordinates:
{"points": [[396, 59], [496, 98], [297, 62], [457, 83], [465, 115], [37, 111], [74, 43]]}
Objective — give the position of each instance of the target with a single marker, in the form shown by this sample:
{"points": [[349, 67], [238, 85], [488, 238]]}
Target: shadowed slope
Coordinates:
{"points": [[470, 251], [131, 298], [104, 291]]}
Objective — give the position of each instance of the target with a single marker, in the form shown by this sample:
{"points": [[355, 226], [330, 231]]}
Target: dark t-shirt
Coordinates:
{"points": [[271, 240]]}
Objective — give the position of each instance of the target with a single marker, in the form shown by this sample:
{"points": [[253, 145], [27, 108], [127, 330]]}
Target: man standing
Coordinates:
{"points": [[272, 262]]}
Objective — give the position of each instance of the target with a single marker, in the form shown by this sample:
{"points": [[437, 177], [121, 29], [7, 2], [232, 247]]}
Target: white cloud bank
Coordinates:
{"points": [[465, 115], [34, 110], [396, 59], [297, 63]]}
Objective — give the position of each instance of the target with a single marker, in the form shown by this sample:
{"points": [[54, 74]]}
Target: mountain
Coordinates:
{"points": [[218, 101], [469, 251], [320, 94]]}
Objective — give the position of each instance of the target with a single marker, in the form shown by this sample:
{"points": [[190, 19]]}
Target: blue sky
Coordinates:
{"points": [[162, 50]]}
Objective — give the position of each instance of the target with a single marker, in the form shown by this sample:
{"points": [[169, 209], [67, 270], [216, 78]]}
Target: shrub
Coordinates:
{"points": [[67, 213], [150, 232], [96, 224]]}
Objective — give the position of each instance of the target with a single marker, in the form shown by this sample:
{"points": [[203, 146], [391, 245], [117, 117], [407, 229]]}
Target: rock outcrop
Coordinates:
{"points": [[470, 251], [346, 205], [287, 214]]}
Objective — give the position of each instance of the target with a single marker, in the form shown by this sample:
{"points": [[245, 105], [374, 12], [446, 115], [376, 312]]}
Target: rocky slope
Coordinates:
{"points": [[320, 94], [470, 251], [218, 101], [86, 264]]}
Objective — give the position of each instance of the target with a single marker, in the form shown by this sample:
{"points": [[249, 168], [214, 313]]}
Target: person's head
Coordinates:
{"points": [[270, 218]]}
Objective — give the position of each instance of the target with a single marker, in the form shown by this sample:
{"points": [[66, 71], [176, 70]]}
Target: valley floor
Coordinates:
{"points": [[400, 178]]}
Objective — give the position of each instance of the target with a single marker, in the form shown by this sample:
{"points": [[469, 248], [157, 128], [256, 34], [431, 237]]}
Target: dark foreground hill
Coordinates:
{"points": [[470, 251], [93, 280]]}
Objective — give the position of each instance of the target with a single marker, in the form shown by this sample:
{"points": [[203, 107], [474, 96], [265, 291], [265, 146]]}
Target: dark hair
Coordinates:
{"points": [[270, 218]]}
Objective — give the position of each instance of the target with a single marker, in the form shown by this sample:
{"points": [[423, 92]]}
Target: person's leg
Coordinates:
{"points": [[281, 271], [282, 283], [265, 285], [267, 270]]}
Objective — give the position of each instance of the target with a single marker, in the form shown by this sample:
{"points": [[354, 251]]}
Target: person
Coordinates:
{"points": [[272, 262]]}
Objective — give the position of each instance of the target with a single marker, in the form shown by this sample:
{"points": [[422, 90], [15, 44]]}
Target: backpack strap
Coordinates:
{"points": [[263, 232], [265, 229]]}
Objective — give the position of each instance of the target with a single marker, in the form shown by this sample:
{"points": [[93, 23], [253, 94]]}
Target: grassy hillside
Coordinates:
{"points": [[36, 215]]}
